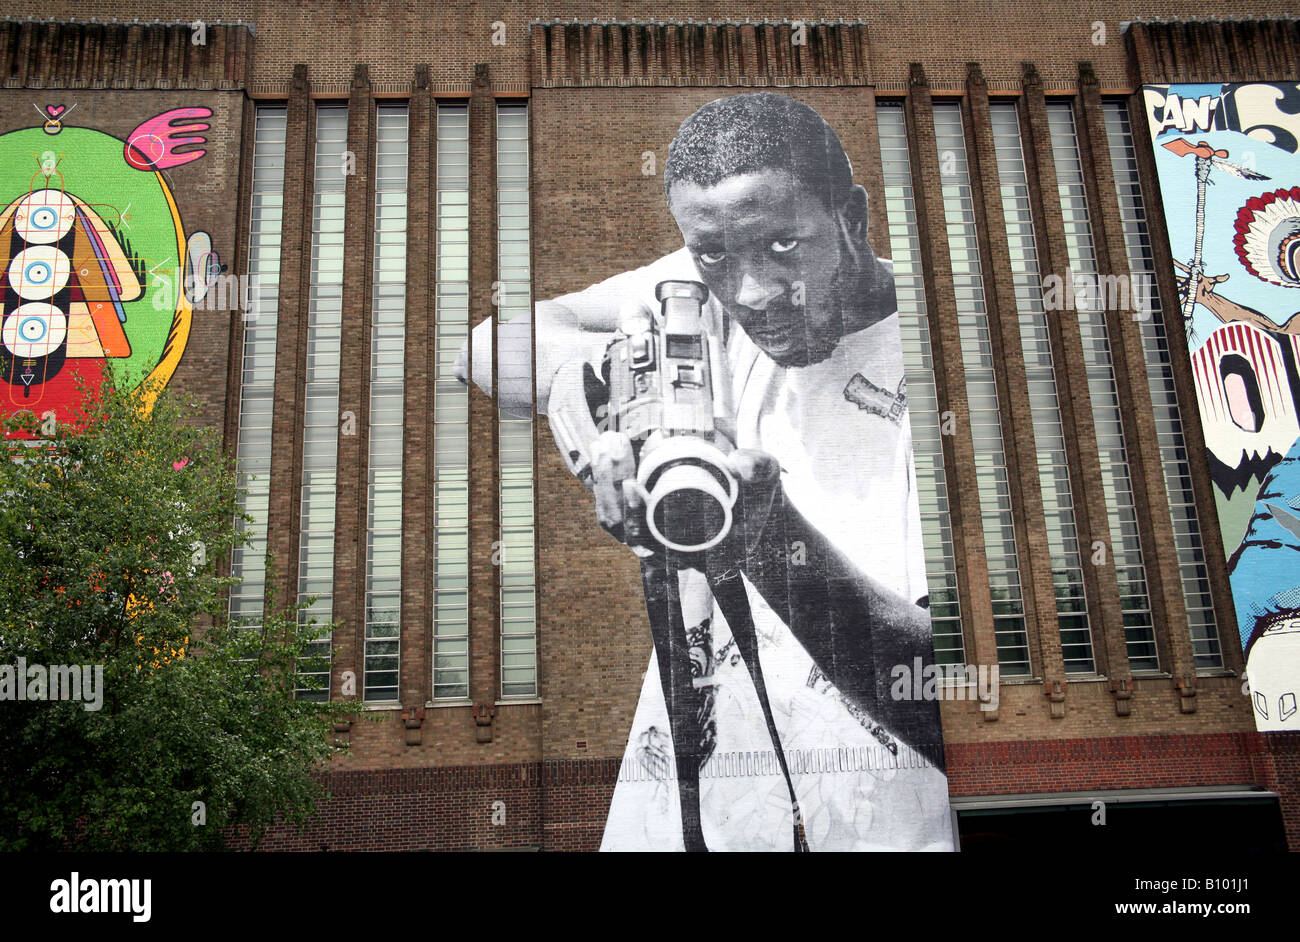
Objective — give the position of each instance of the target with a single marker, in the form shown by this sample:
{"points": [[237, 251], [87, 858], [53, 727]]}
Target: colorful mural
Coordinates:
{"points": [[96, 263], [1229, 173]]}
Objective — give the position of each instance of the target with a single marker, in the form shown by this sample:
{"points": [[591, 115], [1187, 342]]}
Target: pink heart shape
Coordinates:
{"points": [[177, 465], [55, 110]]}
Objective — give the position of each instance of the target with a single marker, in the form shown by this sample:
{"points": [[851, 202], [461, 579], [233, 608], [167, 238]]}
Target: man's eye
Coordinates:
{"points": [[712, 258], [784, 245]]}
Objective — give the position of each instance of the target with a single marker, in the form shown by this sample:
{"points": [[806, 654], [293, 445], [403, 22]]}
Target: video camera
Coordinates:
{"points": [[664, 383]]}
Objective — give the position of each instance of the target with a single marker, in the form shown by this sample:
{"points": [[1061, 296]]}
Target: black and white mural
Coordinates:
{"points": [[737, 409]]}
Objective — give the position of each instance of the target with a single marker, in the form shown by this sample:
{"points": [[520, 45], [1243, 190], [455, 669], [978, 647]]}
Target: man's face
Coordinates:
{"points": [[771, 253]]}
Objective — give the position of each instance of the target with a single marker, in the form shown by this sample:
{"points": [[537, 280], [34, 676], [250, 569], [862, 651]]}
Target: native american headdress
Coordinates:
{"points": [[1268, 237]]}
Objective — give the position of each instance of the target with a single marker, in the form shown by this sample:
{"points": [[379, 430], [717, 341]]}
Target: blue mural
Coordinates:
{"points": [[1229, 173]]}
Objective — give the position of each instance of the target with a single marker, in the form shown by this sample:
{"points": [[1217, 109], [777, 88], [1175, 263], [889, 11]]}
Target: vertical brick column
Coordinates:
{"points": [[1033, 554], [239, 264], [1155, 526], [45, 37], [132, 56], [950, 377], [484, 622], [354, 389], [1203, 486], [417, 406], [290, 345], [871, 175], [1072, 389], [557, 50], [612, 38], [749, 57], [23, 56]]}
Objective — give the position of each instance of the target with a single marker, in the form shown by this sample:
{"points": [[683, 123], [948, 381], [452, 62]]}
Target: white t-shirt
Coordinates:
{"points": [[848, 469], [840, 432]]}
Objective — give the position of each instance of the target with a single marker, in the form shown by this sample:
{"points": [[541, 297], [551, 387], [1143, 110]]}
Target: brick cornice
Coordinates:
{"points": [[792, 53], [1213, 51], [50, 54]]}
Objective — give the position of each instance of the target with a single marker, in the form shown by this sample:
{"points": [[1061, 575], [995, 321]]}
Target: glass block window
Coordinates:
{"points": [[387, 365], [321, 400], [518, 545], [257, 388], [1044, 403], [1087, 296], [982, 393], [922, 398], [1164, 400], [451, 412]]}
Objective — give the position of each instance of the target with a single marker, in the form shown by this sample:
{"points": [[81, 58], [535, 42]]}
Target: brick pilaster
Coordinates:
{"points": [[1203, 486], [417, 407], [484, 529], [1034, 555], [350, 502], [950, 377], [1090, 515], [284, 509], [1155, 526]]}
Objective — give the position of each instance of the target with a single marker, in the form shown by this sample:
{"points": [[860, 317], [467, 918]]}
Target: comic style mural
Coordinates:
{"points": [[98, 275], [1229, 173]]}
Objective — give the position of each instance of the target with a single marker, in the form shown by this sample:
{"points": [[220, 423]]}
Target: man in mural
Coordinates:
{"points": [[1265, 574], [1263, 568], [828, 539], [1229, 311]]}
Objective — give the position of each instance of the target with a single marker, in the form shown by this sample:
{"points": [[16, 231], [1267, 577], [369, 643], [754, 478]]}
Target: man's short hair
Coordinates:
{"points": [[760, 131]]}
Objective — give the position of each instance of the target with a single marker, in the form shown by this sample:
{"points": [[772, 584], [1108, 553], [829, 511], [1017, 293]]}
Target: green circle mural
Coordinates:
{"points": [[93, 273]]}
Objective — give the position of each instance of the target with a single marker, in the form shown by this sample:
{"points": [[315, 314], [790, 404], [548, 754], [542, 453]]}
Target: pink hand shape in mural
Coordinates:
{"points": [[154, 145]]}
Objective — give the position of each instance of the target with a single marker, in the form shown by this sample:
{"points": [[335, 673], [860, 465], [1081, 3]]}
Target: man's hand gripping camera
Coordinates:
{"points": [[654, 436]]}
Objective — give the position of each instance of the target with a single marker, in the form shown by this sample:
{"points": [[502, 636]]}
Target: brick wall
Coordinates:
{"points": [[601, 97], [560, 805]]}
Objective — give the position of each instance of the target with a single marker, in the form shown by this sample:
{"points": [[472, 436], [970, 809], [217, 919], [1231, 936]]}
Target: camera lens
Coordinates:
{"points": [[688, 516], [689, 494]]}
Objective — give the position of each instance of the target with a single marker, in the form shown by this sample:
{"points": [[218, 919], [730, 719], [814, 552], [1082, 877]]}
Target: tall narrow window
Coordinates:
{"points": [[1044, 403], [257, 389], [1164, 399], [451, 413], [982, 394], [321, 399], [387, 363], [518, 575], [922, 398], [1126, 544]]}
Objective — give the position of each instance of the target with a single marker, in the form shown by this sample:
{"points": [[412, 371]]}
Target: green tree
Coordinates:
{"points": [[111, 528]]}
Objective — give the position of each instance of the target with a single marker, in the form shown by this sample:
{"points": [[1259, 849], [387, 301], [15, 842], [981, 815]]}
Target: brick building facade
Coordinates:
{"points": [[429, 771]]}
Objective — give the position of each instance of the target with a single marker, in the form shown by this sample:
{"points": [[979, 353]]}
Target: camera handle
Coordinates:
{"points": [[684, 700]]}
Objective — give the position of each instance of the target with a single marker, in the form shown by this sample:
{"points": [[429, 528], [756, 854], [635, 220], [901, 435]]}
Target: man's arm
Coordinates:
{"points": [[573, 326], [1230, 311], [561, 337], [855, 629]]}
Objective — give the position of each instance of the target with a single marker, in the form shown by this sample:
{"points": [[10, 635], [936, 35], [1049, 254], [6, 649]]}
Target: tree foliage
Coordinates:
{"points": [[111, 529]]}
